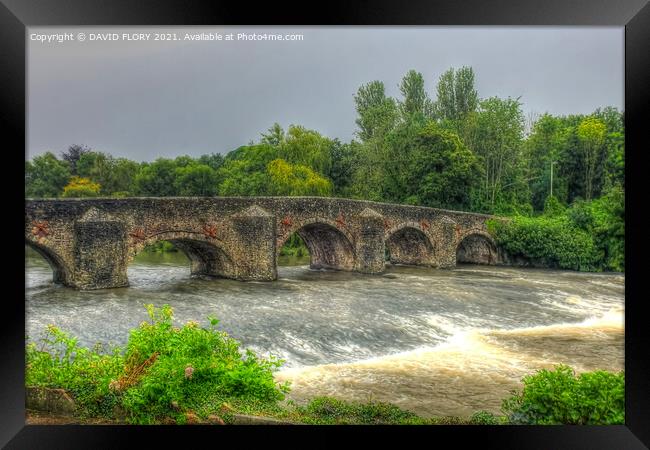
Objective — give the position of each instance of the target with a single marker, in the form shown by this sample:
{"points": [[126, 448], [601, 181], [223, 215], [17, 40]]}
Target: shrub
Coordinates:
{"points": [[559, 397], [328, 410], [604, 219], [163, 372], [81, 187], [484, 418], [552, 240], [85, 373], [553, 207]]}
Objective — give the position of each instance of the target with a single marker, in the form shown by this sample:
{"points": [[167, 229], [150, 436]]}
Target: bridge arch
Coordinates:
{"points": [[207, 256], [330, 245], [61, 273], [477, 247], [408, 244]]}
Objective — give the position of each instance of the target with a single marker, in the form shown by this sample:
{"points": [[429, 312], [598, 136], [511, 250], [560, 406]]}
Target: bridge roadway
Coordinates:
{"points": [[90, 242]]}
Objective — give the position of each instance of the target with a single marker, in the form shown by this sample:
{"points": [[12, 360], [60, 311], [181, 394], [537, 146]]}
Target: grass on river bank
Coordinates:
{"points": [[168, 374]]}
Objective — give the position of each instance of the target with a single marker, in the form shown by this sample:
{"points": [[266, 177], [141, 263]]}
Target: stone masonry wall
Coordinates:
{"points": [[90, 242]]}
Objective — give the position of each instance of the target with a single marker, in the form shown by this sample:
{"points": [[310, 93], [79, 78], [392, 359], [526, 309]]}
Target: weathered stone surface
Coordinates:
{"points": [[51, 400], [90, 242]]}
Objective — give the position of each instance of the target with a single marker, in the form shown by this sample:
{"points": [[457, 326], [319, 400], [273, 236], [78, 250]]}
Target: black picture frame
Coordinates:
{"points": [[16, 15]]}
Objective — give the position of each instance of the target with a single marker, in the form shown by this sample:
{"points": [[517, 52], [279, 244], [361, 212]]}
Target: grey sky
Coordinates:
{"points": [[145, 99]]}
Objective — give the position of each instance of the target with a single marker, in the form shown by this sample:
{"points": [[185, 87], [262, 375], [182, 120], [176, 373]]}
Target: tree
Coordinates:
{"points": [[377, 114], [157, 179], [416, 101], [122, 177], [275, 135], [495, 132], [308, 148], [456, 95], [72, 156], [45, 176], [296, 179], [80, 187], [213, 160], [591, 133], [430, 166], [244, 170], [198, 180], [545, 146], [345, 161]]}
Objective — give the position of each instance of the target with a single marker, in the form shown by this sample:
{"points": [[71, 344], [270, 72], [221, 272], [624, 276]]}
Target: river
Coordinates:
{"points": [[436, 342]]}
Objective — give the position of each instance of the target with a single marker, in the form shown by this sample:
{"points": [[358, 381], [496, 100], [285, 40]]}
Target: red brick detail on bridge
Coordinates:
{"points": [[138, 234], [340, 220], [40, 228], [210, 231], [424, 225], [286, 222]]}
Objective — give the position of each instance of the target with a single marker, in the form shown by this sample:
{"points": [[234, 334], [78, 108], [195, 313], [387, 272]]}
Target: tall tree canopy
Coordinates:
{"points": [[456, 95], [415, 100]]}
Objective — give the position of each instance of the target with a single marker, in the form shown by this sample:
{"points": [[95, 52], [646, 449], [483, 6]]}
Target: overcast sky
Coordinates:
{"points": [[146, 99]]}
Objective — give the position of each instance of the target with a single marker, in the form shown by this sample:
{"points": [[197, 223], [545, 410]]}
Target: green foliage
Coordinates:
{"points": [[274, 137], [327, 410], [591, 133], [553, 207], [495, 133], [296, 179], [45, 176], [196, 180], [59, 362], [308, 148], [213, 160], [244, 170], [157, 179], [164, 371], [294, 246], [604, 219], [345, 160], [485, 418], [72, 156], [112, 174], [377, 113], [559, 397], [555, 241], [80, 187], [416, 102], [456, 96], [160, 247], [431, 167]]}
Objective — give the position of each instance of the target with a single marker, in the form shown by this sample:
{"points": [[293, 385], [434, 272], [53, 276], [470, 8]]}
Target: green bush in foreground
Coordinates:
{"points": [[163, 372], [559, 397]]}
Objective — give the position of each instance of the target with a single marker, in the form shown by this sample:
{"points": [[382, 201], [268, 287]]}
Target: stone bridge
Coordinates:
{"points": [[90, 242]]}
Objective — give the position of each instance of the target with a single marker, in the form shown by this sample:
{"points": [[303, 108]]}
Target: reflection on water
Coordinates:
{"points": [[433, 341]]}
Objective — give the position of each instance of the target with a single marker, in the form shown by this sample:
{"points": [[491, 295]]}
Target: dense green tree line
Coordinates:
{"points": [[451, 150]]}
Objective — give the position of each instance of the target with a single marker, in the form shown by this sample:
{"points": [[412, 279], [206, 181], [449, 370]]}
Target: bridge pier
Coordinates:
{"points": [[370, 245], [254, 245], [100, 254]]}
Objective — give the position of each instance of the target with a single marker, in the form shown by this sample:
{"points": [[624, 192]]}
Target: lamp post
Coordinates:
{"points": [[552, 162]]}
